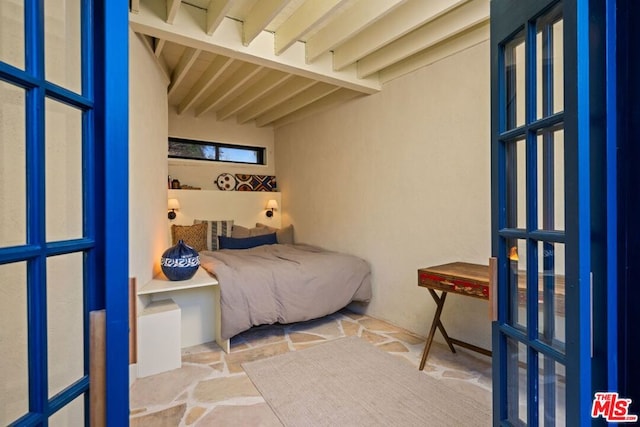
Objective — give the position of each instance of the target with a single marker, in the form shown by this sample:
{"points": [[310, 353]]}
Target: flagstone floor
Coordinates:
{"points": [[212, 389]]}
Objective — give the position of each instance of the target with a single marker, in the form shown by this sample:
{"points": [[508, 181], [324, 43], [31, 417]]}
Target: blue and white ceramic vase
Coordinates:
{"points": [[180, 262]]}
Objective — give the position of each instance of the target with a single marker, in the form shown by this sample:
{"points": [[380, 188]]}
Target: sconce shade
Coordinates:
{"points": [[272, 204], [174, 204]]}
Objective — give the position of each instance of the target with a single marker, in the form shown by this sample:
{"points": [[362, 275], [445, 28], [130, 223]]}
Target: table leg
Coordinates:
{"points": [[448, 339], [440, 300], [436, 324]]}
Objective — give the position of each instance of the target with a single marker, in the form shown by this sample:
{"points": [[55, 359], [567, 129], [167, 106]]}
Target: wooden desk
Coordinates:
{"points": [[459, 278]]}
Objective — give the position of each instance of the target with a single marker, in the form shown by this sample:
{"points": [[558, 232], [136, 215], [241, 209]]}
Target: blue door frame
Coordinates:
{"points": [[103, 102], [113, 127], [628, 113], [590, 197]]}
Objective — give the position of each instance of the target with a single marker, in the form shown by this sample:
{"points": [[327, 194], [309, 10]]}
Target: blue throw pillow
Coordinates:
{"points": [[246, 243]]}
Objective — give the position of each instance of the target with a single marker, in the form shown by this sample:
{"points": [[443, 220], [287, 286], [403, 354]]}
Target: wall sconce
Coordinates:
{"points": [[173, 206], [272, 205]]}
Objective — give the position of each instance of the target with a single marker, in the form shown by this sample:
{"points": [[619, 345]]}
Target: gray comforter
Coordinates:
{"points": [[284, 283]]}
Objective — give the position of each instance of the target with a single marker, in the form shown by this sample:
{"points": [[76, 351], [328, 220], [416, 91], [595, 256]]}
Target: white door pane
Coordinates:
{"points": [[14, 379], [12, 32], [71, 415], [63, 142], [63, 43], [13, 192], [515, 63], [550, 149], [65, 322]]}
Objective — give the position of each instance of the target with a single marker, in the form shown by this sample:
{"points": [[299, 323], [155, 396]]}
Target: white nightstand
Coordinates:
{"points": [[159, 338], [199, 302]]}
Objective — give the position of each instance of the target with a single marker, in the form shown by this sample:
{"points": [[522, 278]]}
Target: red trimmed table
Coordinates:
{"points": [[458, 278]]}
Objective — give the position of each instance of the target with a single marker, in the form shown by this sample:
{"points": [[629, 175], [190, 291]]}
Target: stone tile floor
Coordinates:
{"points": [[212, 389]]}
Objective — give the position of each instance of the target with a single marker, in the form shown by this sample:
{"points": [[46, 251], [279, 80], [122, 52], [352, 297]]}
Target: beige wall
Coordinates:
{"points": [[147, 163], [402, 179], [207, 128]]}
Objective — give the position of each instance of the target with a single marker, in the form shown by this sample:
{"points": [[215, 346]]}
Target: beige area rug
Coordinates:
{"points": [[349, 382]]}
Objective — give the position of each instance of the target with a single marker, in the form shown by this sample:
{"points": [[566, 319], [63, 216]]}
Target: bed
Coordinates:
{"points": [[266, 278]]}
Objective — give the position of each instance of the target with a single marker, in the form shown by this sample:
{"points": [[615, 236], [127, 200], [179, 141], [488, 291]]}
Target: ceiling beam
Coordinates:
{"points": [[185, 63], [473, 13], [228, 88], [158, 46], [227, 40], [172, 10], [469, 38], [301, 100], [134, 6], [262, 13], [394, 25], [159, 61], [216, 12], [323, 104], [308, 16], [347, 24], [263, 84], [292, 87], [217, 67]]}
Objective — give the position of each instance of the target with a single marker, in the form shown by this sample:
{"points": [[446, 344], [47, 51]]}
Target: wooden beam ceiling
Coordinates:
{"points": [[273, 61]]}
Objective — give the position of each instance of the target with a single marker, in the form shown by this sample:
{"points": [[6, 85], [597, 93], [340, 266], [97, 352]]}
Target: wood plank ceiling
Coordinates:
{"points": [[275, 61]]}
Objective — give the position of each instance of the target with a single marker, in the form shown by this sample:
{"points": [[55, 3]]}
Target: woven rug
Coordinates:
{"points": [[349, 382]]}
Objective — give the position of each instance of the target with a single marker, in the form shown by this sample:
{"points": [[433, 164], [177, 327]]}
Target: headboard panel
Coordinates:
{"points": [[243, 207]]}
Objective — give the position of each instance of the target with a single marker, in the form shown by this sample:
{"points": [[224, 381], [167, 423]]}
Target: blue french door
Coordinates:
{"points": [[63, 199], [549, 189]]}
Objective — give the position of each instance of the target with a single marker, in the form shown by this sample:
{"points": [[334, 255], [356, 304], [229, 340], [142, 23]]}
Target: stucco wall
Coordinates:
{"points": [[402, 179], [147, 162]]}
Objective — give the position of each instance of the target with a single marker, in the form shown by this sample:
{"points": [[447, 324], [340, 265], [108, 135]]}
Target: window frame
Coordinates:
{"points": [[261, 158]]}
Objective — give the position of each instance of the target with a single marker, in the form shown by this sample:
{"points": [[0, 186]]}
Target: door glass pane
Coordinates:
{"points": [[516, 282], [516, 382], [549, 66], [13, 227], [14, 392], [63, 171], [551, 300], [514, 61], [558, 70], [552, 391], [540, 76], [12, 32], [62, 43], [516, 184], [65, 308], [551, 179], [70, 415]]}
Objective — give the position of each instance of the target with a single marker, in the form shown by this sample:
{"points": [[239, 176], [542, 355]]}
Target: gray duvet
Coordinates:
{"points": [[284, 283]]}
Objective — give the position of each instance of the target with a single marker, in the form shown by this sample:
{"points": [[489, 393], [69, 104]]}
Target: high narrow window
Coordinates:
{"points": [[215, 151]]}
